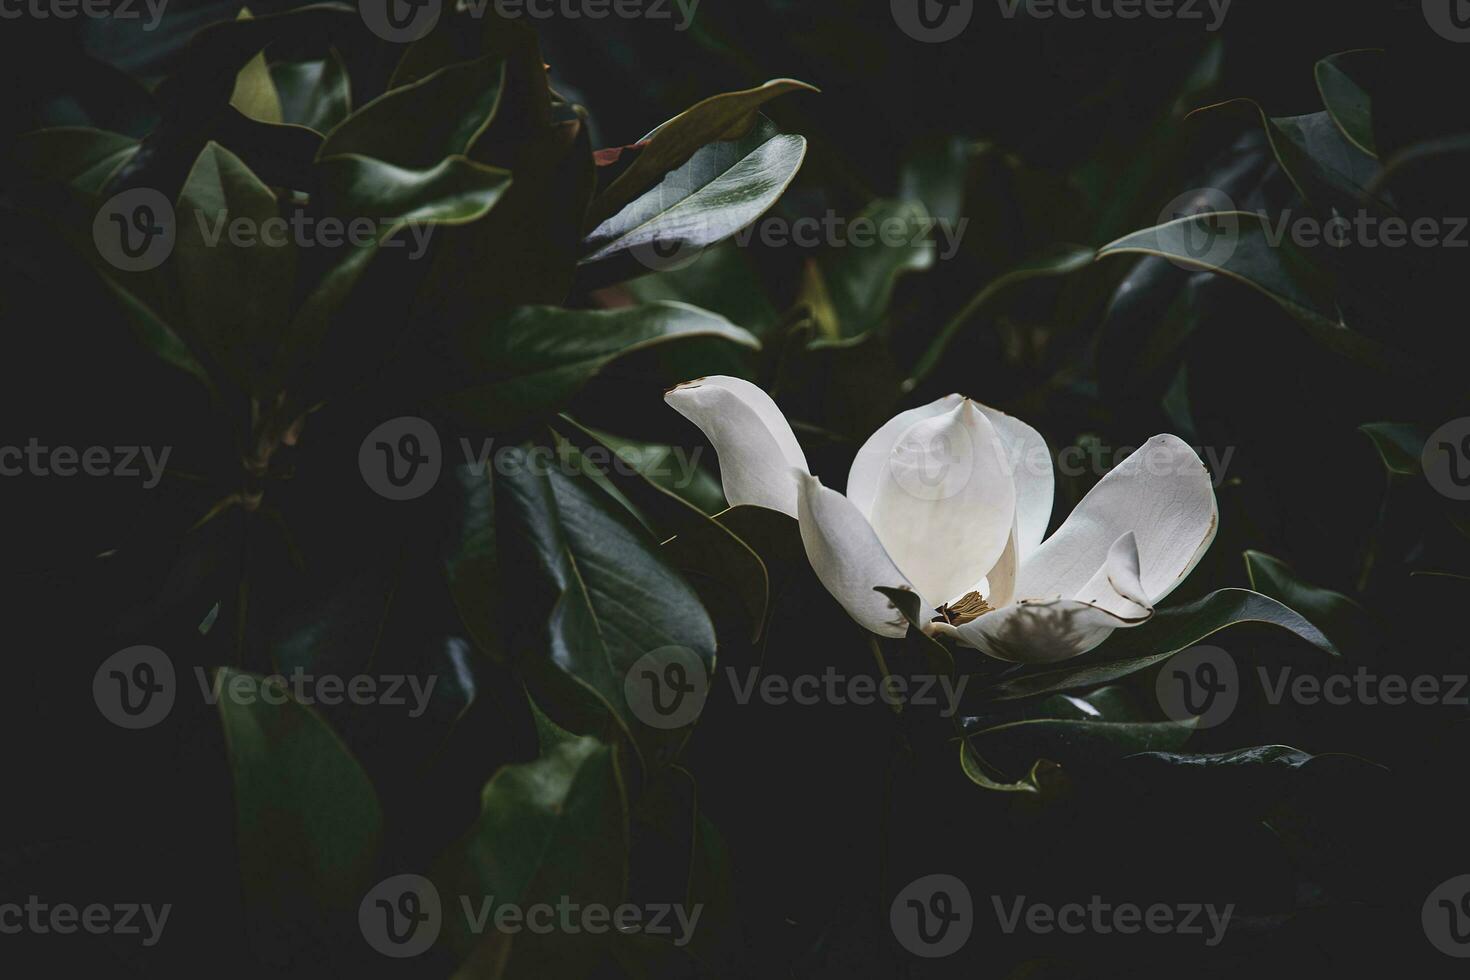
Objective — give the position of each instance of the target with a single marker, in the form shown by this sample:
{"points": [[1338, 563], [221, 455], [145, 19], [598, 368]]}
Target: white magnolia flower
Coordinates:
{"points": [[951, 500]]}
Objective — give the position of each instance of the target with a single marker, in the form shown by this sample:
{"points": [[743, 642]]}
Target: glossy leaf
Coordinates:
{"points": [[591, 596], [316, 94], [234, 296], [456, 190], [255, 92], [722, 188], [1340, 619], [1340, 79], [720, 117], [420, 124], [531, 364], [549, 831]]}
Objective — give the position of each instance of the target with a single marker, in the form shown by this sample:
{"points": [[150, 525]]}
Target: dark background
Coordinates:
{"points": [[828, 810]]}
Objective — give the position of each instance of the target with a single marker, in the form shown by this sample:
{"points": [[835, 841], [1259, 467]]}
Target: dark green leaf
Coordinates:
{"points": [[531, 364], [315, 94], [1340, 79], [420, 124], [1400, 445], [592, 596], [1340, 619], [720, 117], [308, 823], [549, 831], [722, 188]]}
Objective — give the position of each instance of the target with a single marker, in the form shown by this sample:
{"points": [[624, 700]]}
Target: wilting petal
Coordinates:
{"points": [[945, 503], [759, 455], [1039, 632], [1029, 464], [870, 465], [848, 558], [1161, 493]]}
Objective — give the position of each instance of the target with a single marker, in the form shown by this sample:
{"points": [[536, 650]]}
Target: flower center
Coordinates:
{"points": [[964, 609]]}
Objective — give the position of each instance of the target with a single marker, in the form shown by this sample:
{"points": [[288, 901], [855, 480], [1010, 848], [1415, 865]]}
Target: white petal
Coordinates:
{"points": [[1039, 632], [759, 455], [945, 503], [1116, 586], [1000, 583], [1162, 493], [1030, 466], [871, 463], [848, 558]]}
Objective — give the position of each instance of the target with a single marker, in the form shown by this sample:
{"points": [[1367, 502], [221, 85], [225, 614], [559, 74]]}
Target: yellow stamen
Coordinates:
{"points": [[968, 607]]}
